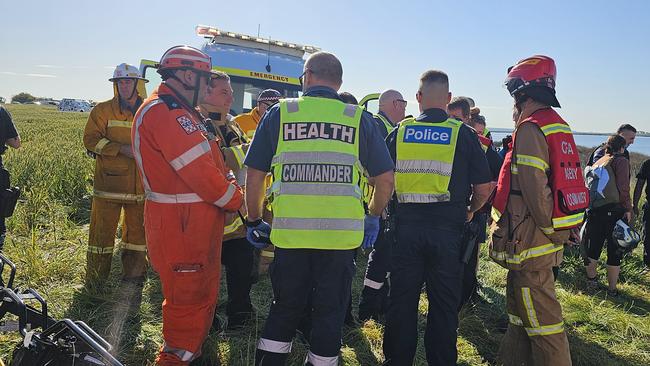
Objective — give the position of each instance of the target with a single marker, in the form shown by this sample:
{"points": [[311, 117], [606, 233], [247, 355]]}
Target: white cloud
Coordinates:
{"points": [[29, 74], [49, 66], [41, 75]]}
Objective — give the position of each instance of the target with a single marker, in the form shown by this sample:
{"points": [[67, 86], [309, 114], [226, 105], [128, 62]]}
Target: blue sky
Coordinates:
{"points": [[68, 48]]}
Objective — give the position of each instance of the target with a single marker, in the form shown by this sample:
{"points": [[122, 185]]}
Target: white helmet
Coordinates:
{"points": [[625, 237], [126, 71]]}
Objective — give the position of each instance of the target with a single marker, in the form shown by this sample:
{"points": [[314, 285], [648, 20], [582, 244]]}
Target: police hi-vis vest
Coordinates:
{"points": [[315, 195], [425, 158], [570, 196]]}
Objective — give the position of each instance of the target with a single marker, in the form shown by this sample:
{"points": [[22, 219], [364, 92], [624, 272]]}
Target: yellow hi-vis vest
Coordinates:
{"points": [[389, 126], [315, 195], [425, 158]]}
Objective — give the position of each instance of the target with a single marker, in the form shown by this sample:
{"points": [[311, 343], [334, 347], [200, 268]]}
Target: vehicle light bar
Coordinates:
{"points": [[207, 31]]}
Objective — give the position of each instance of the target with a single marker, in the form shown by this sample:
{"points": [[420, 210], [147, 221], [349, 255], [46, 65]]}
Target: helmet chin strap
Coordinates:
{"points": [[197, 84]]}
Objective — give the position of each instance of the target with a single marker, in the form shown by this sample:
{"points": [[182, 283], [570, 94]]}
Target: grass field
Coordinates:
{"points": [[47, 240]]}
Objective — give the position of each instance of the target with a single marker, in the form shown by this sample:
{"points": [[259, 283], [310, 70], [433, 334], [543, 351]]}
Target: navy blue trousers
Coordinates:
{"points": [[432, 257]]}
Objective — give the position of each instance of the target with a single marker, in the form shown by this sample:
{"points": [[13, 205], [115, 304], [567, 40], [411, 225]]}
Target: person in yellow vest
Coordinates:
{"points": [[237, 254], [316, 147], [539, 197], [438, 164], [374, 296], [249, 121], [117, 186]]}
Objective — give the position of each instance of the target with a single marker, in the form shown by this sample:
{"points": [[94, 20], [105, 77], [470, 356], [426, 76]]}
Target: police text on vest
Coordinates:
{"points": [[428, 135]]}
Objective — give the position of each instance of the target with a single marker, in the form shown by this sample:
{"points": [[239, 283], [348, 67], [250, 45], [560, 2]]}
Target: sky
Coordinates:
{"points": [[68, 49]]}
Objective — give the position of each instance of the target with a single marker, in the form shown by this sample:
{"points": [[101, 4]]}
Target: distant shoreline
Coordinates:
{"points": [[509, 130]]}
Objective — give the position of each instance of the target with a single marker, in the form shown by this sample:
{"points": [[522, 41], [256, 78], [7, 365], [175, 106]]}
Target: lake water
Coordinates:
{"points": [[641, 143]]}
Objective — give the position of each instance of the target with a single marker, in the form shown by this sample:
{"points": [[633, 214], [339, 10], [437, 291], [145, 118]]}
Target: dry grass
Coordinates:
{"points": [[48, 237]]}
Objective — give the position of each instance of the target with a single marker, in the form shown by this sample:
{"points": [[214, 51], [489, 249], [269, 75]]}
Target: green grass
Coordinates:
{"points": [[48, 236]]}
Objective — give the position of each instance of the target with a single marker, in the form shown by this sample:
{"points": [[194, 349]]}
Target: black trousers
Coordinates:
{"points": [[431, 256], [601, 225], [237, 256], [297, 274], [5, 182], [646, 229], [373, 301]]}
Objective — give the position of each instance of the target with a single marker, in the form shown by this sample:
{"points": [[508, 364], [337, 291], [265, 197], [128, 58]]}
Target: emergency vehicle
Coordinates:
{"points": [[74, 105], [253, 64]]}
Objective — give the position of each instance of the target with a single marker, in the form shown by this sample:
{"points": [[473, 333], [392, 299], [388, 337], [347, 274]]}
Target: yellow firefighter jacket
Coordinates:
{"points": [[116, 177]]}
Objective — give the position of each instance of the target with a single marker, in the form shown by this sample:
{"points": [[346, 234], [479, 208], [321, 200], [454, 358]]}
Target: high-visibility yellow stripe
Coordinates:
{"points": [[514, 169], [135, 247], [101, 144], [526, 254], [546, 330], [115, 123], [532, 161], [100, 250], [568, 221], [555, 128], [236, 224], [267, 254], [530, 308], [118, 196]]}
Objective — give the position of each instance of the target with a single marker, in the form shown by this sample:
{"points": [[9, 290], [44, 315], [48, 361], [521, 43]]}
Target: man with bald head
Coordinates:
{"points": [[312, 145], [438, 163], [392, 108]]}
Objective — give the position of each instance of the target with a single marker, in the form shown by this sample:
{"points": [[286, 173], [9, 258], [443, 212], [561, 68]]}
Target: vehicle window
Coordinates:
{"points": [[150, 74]]}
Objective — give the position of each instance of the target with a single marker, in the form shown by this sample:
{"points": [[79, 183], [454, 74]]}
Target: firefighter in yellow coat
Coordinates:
{"points": [[117, 185]]}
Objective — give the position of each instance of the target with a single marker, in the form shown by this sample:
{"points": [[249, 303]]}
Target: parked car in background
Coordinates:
{"points": [[74, 105]]}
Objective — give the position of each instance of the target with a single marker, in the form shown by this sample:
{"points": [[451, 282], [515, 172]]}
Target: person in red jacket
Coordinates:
{"points": [[187, 191]]}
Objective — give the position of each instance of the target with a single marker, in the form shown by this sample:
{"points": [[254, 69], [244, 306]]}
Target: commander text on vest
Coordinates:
{"points": [[317, 148]]}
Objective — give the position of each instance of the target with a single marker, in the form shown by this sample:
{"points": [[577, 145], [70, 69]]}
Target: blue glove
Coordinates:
{"points": [[258, 233], [370, 231]]}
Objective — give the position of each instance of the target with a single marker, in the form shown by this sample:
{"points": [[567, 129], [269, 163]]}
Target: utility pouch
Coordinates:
{"points": [[8, 200]]}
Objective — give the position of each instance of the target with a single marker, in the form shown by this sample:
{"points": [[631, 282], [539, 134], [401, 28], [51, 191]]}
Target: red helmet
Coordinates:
{"points": [[185, 57], [533, 71]]}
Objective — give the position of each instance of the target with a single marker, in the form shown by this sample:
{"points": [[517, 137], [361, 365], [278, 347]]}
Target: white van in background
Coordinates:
{"points": [[74, 105]]}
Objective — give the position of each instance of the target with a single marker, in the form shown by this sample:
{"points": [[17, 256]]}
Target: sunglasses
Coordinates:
{"points": [[301, 78]]}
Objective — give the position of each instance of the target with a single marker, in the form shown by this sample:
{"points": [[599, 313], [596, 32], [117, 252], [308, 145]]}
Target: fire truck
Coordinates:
{"points": [[253, 64]]}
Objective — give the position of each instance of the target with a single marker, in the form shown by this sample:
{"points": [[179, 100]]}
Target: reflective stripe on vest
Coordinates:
{"points": [[238, 152], [565, 181], [425, 157], [315, 195]]}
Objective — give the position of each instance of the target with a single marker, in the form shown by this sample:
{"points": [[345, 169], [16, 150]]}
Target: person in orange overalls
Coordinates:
{"points": [[187, 191], [116, 187]]}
